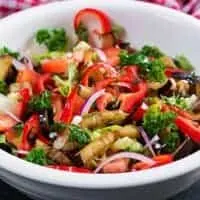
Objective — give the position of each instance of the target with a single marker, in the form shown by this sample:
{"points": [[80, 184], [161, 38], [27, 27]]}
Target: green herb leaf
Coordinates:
{"points": [[155, 121], [152, 70], [37, 156], [40, 102], [58, 127], [82, 33], [53, 39], [79, 135], [182, 62], [180, 102], [3, 87], [6, 51], [152, 51], [19, 128]]}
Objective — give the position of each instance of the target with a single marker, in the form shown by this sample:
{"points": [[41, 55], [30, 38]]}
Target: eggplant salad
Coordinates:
{"points": [[97, 104]]}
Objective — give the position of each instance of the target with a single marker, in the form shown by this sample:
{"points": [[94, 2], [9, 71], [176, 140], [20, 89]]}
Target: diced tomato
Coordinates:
{"points": [[112, 55], [56, 66], [69, 168], [57, 106]]}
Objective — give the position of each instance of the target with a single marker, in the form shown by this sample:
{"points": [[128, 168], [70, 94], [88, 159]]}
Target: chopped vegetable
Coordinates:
{"points": [[127, 144], [4, 51], [152, 51], [37, 156], [64, 86], [155, 121], [53, 39], [153, 70], [40, 102], [180, 102], [182, 62], [78, 135], [3, 87]]}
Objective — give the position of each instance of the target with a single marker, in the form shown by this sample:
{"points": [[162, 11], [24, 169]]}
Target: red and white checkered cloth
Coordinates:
{"points": [[9, 6], [188, 6]]}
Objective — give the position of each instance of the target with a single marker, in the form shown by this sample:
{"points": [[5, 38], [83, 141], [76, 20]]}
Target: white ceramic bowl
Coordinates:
{"points": [[146, 24]]}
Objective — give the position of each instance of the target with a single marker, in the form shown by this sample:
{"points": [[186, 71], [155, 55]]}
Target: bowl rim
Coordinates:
{"points": [[60, 178]]}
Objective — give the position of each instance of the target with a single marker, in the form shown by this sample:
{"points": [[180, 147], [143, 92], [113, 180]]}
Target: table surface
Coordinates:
{"points": [[7, 192]]}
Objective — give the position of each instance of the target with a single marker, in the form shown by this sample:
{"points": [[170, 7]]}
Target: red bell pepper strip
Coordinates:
{"points": [[97, 72], [177, 110], [160, 160], [88, 16], [31, 126], [128, 101], [169, 71], [57, 66], [112, 55], [42, 80], [139, 113], [25, 97], [129, 74], [188, 128], [69, 168], [103, 101], [67, 114]]}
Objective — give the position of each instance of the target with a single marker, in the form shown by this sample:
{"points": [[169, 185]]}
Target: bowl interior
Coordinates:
{"points": [[173, 32]]}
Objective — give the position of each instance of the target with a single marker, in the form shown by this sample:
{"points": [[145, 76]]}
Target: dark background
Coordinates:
{"points": [[8, 193]]}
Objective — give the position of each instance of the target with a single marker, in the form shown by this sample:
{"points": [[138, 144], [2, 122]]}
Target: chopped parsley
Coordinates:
{"points": [[182, 62], [6, 51], [40, 102], [3, 87], [54, 39], [79, 135], [37, 156]]}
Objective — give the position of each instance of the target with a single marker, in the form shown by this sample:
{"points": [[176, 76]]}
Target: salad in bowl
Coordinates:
{"points": [[96, 104]]}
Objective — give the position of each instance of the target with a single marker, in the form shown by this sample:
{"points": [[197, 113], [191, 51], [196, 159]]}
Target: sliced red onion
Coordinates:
{"points": [[146, 139], [18, 65], [131, 155], [189, 6], [91, 100], [101, 54]]}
